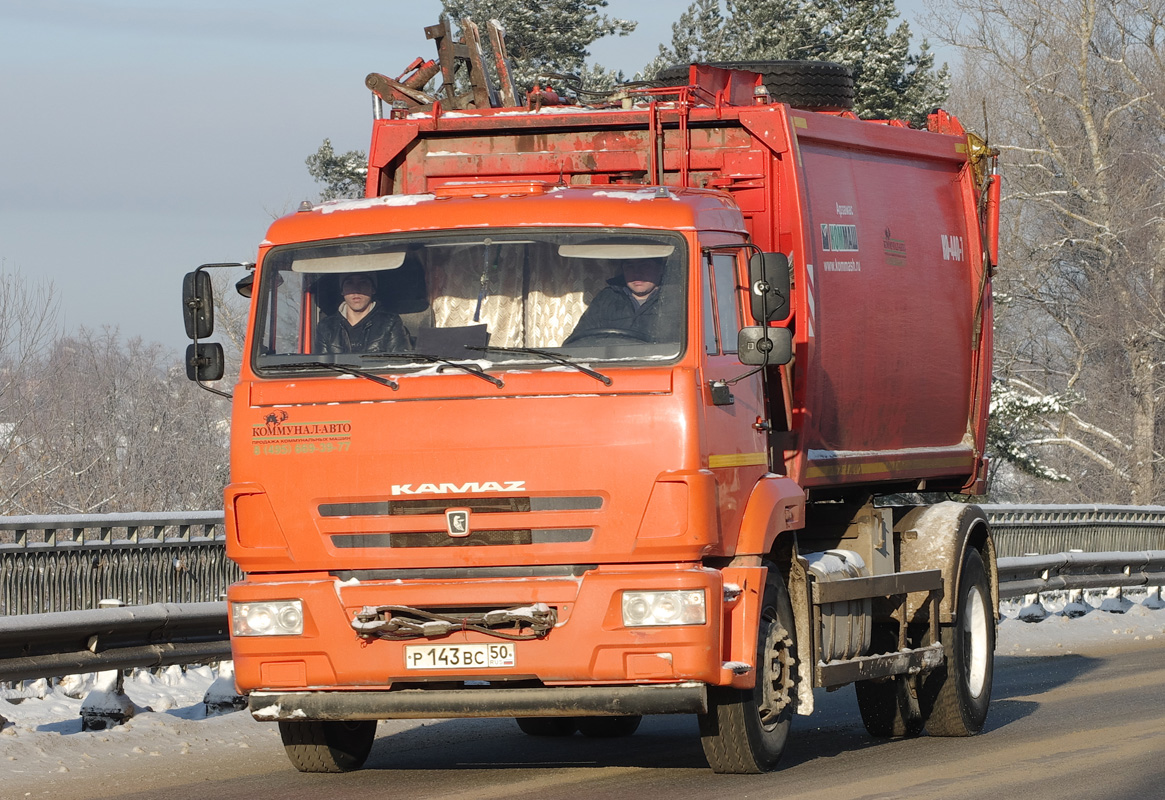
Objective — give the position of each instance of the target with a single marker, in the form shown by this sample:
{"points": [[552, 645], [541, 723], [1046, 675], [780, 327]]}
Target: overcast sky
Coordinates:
{"points": [[141, 138]]}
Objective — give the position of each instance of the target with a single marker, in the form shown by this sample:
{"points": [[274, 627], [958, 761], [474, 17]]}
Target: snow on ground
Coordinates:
{"points": [[1059, 634], [44, 752]]}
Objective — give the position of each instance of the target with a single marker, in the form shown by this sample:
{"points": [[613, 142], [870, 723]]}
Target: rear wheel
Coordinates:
{"points": [[889, 707], [813, 85], [608, 727], [745, 730], [960, 690], [547, 726], [328, 746]]}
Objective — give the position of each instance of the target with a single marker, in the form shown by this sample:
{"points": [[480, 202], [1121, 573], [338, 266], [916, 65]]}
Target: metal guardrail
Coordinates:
{"points": [[1066, 571], [70, 642], [87, 559], [63, 563], [1023, 529], [66, 563]]}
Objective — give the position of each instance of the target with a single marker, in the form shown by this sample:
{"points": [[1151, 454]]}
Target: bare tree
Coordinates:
{"points": [[1076, 102], [115, 426], [28, 328]]}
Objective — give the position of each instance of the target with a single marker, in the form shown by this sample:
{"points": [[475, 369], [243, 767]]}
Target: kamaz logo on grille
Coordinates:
{"points": [[457, 522], [458, 488]]}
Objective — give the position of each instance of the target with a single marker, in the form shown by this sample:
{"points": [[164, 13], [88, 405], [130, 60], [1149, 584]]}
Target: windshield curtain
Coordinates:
{"points": [[438, 294]]}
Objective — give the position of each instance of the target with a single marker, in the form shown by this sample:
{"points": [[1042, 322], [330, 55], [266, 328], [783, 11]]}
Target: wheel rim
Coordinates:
{"points": [[777, 680], [975, 644]]}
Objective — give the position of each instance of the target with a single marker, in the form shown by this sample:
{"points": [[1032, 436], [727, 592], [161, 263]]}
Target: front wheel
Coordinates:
{"points": [[745, 730], [960, 689], [328, 746]]}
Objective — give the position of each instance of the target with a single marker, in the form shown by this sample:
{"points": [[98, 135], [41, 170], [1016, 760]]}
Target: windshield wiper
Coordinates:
{"points": [[345, 369], [472, 369], [555, 357]]}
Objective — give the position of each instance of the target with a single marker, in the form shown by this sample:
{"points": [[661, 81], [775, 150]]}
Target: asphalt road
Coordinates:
{"points": [[1088, 725]]}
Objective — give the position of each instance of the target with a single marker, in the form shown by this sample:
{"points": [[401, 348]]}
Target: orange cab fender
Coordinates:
{"points": [[937, 537], [777, 504], [251, 525], [744, 587]]}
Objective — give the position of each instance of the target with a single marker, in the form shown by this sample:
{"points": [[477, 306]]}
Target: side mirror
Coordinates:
{"points": [[768, 278], [246, 284], [758, 346], [205, 361], [198, 305]]}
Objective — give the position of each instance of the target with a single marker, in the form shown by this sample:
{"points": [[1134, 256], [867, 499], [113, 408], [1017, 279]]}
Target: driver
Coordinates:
{"points": [[359, 326], [629, 302]]}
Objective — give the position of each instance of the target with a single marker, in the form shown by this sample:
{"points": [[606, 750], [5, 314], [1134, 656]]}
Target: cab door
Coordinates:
{"points": [[735, 443]]}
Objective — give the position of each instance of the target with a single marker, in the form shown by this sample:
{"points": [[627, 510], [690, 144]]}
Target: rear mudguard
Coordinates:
{"points": [[937, 537]]}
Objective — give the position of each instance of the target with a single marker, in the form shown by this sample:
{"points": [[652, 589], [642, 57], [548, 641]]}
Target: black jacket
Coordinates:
{"points": [[379, 332], [613, 307]]}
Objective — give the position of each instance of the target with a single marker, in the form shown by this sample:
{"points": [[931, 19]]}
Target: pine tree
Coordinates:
{"points": [[542, 36], [889, 81], [545, 35], [697, 36], [342, 175]]}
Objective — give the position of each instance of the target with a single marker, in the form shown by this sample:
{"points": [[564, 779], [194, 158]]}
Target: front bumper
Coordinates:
{"points": [[589, 645], [560, 701]]}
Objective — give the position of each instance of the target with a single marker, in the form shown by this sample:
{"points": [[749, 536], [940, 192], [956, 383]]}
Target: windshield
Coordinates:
{"points": [[528, 296]]}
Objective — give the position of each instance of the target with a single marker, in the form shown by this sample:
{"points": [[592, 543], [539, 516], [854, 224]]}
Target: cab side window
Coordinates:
{"points": [[721, 316]]}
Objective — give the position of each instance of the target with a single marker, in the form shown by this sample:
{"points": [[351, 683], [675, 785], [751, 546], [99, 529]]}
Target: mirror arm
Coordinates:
{"points": [[193, 303], [716, 248], [748, 374]]}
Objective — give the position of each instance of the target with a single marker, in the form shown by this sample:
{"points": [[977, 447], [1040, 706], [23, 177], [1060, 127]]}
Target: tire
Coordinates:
{"points": [[547, 726], [890, 707], [811, 85], [328, 746], [745, 730], [959, 692], [608, 727]]}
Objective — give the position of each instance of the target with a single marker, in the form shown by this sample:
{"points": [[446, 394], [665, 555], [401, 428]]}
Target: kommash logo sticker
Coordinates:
{"points": [[893, 249], [280, 434], [840, 239]]}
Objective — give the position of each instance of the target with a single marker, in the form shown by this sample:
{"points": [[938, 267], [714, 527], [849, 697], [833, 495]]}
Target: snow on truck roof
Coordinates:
{"points": [[522, 204]]}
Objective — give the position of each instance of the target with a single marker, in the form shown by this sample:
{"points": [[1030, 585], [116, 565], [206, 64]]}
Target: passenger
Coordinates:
{"points": [[631, 303], [359, 326]]}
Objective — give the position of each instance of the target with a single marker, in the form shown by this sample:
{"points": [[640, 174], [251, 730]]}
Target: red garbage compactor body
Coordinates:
{"points": [[888, 232]]}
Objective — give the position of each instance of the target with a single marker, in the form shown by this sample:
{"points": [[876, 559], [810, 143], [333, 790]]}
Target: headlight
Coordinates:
{"points": [[272, 618], [663, 608]]}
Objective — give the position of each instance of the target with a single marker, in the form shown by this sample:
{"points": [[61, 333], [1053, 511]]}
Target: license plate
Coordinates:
{"points": [[458, 656]]}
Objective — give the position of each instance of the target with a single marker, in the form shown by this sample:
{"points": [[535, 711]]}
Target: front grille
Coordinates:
{"points": [[465, 573], [477, 505], [474, 539]]}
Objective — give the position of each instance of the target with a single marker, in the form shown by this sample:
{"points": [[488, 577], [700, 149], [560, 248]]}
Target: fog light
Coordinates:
{"points": [[641, 609], [271, 618]]}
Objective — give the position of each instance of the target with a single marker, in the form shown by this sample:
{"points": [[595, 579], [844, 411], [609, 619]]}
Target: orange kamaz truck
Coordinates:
{"points": [[641, 394]]}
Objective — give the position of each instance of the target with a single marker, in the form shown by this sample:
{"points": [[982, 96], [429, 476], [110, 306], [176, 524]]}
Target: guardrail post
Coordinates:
{"points": [[106, 704], [1033, 610], [1115, 601], [221, 696], [1153, 598], [1076, 606]]}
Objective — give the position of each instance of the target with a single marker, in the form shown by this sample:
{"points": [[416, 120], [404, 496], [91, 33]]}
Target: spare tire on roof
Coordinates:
{"points": [[811, 85]]}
